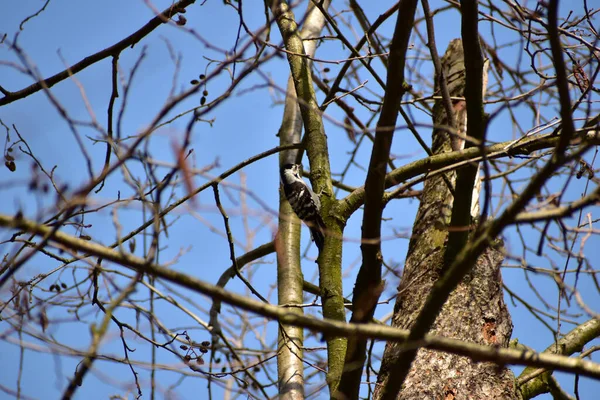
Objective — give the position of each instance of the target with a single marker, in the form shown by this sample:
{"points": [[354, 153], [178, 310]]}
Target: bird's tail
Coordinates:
{"points": [[317, 230]]}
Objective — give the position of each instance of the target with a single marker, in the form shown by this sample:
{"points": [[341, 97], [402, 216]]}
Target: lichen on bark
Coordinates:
{"points": [[475, 311]]}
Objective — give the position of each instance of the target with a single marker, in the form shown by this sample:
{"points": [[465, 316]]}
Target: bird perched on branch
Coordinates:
{"points": [[304, 202]]}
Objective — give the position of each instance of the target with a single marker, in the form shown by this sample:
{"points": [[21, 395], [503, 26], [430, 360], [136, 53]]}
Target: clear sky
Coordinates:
{"points": [[245, 125]]}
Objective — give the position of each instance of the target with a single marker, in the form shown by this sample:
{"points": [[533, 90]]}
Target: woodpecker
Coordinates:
{"points": [[304, 202]]}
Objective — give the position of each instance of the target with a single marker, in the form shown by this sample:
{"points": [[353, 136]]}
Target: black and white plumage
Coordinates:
{"points": [[304, 202]]}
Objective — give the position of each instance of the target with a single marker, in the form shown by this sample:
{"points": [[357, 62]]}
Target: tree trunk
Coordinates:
{"points": [[475, 311]]}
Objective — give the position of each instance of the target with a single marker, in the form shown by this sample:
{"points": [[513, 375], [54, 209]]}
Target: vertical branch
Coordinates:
{"points": [[568, 130], [440, 74], [290, 368], [290, 364], [109, 123], [460, 224], [368, 284], [330, 259], [301, 75]]}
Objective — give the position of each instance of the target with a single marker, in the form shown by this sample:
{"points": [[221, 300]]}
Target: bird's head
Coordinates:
{"points": [[291, 173]]}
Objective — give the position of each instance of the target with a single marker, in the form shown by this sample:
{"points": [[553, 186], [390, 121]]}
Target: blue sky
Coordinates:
{"points": [[244, 125]]}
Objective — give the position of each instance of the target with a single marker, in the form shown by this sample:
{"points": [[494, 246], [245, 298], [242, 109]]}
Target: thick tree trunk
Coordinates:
{"points": [[475, 311]]}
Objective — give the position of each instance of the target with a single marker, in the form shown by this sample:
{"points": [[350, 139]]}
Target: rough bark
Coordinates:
{"points": [[475, 311]]}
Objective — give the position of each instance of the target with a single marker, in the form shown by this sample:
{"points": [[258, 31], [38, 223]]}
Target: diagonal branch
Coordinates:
{"points": [[531, 382], [368, 284], [97, 336], [282, 314], [428, 165], [112, 51]]}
